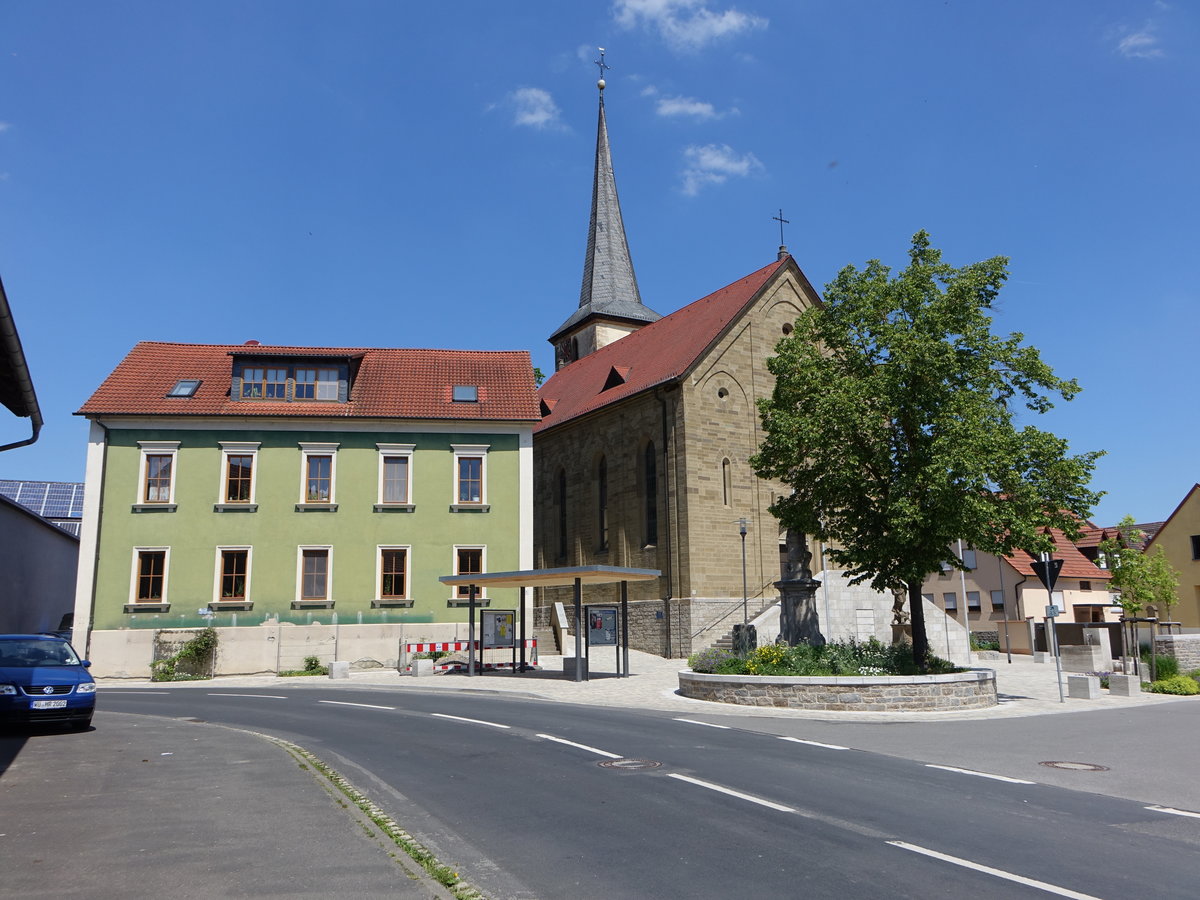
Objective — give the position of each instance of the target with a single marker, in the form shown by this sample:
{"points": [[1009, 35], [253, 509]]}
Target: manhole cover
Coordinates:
{"points": [[630, 765], [1075, 766]]}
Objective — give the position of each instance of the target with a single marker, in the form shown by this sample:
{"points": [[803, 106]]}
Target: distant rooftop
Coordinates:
{"points": [[59, 501]]}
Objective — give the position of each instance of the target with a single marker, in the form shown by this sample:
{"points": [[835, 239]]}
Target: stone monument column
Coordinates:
{"points": [[798, 620]]}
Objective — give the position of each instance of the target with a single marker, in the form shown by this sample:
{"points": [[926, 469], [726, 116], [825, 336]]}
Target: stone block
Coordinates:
{"points": [[339, 669], [1084, 658], [422, 666], [1039, 656], [1083, 687], [1124, 685]]}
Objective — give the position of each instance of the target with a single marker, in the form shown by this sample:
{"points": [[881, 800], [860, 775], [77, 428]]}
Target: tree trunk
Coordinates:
{"points": [[916, 607]]}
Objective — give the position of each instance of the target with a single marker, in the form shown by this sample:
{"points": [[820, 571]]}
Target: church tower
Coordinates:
{"points": [[610, 305]]}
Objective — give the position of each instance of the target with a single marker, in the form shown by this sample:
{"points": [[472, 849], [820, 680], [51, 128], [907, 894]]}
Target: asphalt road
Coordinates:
{"points": [[517, 794]]}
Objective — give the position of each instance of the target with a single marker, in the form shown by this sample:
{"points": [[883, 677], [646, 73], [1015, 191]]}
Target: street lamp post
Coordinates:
{"points": [[742, 523]]}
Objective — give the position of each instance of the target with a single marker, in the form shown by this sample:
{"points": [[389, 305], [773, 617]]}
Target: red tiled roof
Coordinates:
{"points": [[652, 355], [389, 383], [1075, 564]]}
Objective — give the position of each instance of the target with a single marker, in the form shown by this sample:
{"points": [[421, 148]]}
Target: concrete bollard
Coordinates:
{"points": [[422, 667], [1039, 656], [1083, 687], [339, 669], [1124, 685]]}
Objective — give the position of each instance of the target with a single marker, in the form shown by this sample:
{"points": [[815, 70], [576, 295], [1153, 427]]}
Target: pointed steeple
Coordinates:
{"points": [[609, 290]]}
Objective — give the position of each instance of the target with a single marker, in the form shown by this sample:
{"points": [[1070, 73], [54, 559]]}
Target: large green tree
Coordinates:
{"points": [[893, 424]]}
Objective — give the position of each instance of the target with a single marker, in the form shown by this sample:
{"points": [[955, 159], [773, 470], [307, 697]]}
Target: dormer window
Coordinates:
{"points": [[185, 387], [291, 380], [465, 393]]}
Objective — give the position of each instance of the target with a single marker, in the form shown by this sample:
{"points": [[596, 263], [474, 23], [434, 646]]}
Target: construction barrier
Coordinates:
{"points": [[453, 646]]}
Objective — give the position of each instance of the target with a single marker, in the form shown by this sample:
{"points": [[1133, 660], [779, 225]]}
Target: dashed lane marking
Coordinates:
{"points": [[471, 721], [721, 789], [705, 724], [998, 873], [596, 750], [263, 696], [814, 743], [362, 705], [1174, 812], [980, 774]]}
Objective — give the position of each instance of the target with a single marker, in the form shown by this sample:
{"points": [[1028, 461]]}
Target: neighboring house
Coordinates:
{"points": [[996, 589], [59, 501], [1179, 537], [38, 560], [249, 485]]}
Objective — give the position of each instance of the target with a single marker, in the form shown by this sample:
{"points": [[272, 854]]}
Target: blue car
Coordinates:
{"points": [[43, 680]]}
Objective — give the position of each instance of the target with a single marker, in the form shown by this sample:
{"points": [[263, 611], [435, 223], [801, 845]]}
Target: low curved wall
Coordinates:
{"points": [[884, 693]]}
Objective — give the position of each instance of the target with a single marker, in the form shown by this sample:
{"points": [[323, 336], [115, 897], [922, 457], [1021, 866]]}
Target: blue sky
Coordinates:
{"points": [[399, 174]]}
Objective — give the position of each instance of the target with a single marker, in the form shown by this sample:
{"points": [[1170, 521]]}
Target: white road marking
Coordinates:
{"points": [[814, 743], [125, 691], [980, 774], [705, 724], [264, 696], [595, 750], [732, 793], [472, 721], [363, 705], [1174, 812], [999, 873]]}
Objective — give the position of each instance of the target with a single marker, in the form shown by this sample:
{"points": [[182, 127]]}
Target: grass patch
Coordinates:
{"points": [[312, 666]]}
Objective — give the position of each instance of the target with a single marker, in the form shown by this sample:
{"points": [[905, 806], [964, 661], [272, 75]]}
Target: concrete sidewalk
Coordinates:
{"points": [[1026, 688], [143, 807]]}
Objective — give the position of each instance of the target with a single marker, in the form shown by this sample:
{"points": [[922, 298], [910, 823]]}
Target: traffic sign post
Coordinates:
{"points": [[1047, 569]]}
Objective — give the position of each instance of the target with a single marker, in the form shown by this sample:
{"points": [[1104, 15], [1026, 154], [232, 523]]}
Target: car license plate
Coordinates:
{"points": [[49, 704]]}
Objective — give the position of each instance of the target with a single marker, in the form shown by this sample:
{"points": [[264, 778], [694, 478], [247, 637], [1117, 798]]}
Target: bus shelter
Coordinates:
{"points": [[576, 576]]}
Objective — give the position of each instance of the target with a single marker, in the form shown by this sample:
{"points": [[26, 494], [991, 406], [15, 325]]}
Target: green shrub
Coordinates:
{"points": [[312, 666], [1165, 667], [1181, 685], [194, 655], [870, 657]]}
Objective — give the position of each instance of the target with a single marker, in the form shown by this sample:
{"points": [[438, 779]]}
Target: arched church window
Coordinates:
{"points": [[650, 469], [562, 513], [726, 482], [602, 504]]}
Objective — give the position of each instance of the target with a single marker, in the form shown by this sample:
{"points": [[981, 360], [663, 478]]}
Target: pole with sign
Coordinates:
{"points": [[1047, 569]]}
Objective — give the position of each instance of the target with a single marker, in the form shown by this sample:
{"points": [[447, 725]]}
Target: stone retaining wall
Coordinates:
{"points": [[886, 693], [1184, 647]]}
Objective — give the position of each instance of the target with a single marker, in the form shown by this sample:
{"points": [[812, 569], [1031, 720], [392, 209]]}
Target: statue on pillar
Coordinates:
{"points": [[798, 620]]}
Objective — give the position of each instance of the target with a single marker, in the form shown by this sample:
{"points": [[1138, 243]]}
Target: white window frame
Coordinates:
{"points": [[481, 593], [407, 599], [318, 449], [164, 601], [470, 450], [301, 602], [238, 448], [947, 598], [217, 601], [157, 448], [387, 451]]}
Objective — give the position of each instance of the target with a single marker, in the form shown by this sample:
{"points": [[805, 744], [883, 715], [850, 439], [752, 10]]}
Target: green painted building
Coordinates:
{"points": [[257, 488]]}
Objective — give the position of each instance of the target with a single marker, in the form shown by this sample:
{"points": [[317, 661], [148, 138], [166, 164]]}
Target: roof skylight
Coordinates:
{"points": [[185, 387]]}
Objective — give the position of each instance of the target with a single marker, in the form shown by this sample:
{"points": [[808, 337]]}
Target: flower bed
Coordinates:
{"points": [[975, 689]]}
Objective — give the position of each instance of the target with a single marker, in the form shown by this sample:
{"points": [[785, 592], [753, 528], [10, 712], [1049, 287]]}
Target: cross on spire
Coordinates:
{"points": [[782, 221], [602, 65]]}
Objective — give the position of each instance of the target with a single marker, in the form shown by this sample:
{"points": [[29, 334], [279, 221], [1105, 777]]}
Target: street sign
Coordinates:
{"points": [[1052, 611], [1047, 572]]}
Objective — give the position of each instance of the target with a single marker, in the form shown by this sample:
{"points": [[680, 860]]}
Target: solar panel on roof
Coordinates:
{"points": [[51, 499]]}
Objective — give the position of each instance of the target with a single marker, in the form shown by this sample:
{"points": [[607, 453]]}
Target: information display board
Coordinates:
{"points": [[602, 626], [499, 628]]}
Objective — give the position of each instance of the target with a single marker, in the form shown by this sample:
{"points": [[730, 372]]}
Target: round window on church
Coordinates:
{"points": [[722, 393], [787, 328]]}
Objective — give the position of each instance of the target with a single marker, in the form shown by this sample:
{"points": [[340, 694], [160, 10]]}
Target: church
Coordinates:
{"points": [[648, 423]]}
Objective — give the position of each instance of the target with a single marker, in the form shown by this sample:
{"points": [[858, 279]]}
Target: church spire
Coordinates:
{"points": [[609, 290]]}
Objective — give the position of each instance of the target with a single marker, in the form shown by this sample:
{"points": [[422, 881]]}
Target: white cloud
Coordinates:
{"points": [[535, 108], [690, 106], [685, 24], [715, 164], [1140, 45]]}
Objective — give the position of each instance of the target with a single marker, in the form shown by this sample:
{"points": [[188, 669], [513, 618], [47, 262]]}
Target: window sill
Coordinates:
{"points": [[235, 507], [223, 605], [470, 507], [147, 607], [316, 507], [455, 602], [155, 507], [312, 604], [391, 603], [395, 507]]}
